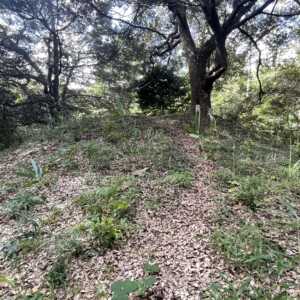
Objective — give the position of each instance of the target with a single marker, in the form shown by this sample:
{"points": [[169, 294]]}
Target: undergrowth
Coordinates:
{"points": [[259, 238]]}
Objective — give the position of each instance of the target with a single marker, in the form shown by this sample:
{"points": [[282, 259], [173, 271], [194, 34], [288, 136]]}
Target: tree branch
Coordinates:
{"points": [[259, 64]]}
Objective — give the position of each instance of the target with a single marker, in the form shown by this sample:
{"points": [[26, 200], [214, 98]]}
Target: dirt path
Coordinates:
{"points": [[177, 238]]}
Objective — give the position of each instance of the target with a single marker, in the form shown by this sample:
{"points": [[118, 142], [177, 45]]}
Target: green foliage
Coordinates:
{"points": [[57, 276], [34, 296], [109, 209], [160, 89], [66, 158], [21, 246], [122, 289], [162, 152], [276, 114], [244, 290], [6, 280], [21, 204], [250, 190], [100, 155], [225, 177], [106, 231], [68, 246], [151, 268], [54, 216], [180, 178], [247, 247]]}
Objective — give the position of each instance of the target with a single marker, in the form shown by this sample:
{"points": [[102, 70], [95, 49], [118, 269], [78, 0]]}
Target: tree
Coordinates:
{"points": [[40, 38], [204, 28], [160, 88]]}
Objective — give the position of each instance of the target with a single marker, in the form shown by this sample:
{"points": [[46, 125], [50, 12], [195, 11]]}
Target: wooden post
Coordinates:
{"points": [[198, 110]]}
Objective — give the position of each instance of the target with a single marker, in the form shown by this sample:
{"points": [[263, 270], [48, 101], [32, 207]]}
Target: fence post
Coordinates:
{"points": [[198, 116]]}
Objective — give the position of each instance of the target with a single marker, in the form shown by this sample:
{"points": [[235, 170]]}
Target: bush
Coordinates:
{"points": [[225, 177], [106, 231], [160, 89], [250, 190]]}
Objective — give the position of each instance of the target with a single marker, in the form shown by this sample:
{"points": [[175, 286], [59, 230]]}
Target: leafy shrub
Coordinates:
{"points": [[151, 268], [106, 231], [69, 245], [160, 89], [57, 275], [250, 190], [225, 177], [21, 204], [247, 247], [109, 209], [180, 178]]}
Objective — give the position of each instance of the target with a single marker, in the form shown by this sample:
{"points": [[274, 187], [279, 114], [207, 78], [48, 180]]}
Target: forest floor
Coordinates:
{"points": [[134, 205]]}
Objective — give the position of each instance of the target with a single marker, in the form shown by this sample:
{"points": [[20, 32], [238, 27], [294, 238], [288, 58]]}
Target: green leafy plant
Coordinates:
{"points": [[151, 268], [34, 296], [244, 290], [109, 209], [247, 247], [180, 178], [122, 289], [6, 280], [69, 245], [57, 276], [250, 190], [100, 155], [23, 245], [21, 204], [105, 231]]}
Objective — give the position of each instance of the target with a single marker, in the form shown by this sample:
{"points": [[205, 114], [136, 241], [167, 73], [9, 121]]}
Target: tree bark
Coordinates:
{"points": [[201, 91]]}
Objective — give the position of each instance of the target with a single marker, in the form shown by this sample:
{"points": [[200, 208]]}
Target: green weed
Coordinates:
{"points": [[122, 289], [244, 290], [69, 245], [246, 247], [34, 296], [109, 209], [21, 204], [225, 177], [250, 190], [106, 231], [100, 155], [57, 276], [21, 246], [180, 178]]}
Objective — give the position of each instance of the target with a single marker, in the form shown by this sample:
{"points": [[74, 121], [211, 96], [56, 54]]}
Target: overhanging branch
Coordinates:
{"points": [[259, 64]]}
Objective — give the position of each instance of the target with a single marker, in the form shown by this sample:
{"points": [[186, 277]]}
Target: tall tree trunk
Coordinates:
{"points": [[201, 93]]}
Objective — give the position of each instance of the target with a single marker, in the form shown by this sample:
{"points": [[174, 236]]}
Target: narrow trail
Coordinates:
{"points": [[176, 237]]}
